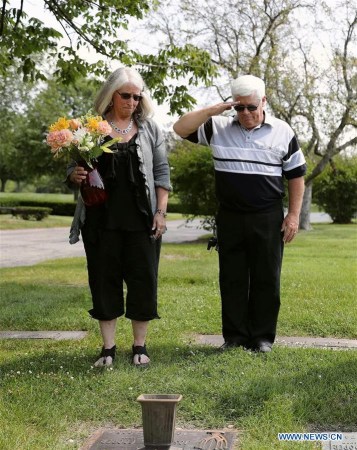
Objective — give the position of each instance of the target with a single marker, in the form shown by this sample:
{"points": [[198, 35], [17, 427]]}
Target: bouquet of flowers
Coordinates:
{"points": [[80, 138]]}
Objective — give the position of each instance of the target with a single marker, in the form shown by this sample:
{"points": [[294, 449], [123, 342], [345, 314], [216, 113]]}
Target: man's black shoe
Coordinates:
{"points": [[230, 344], [227, 345], [263, 347]]}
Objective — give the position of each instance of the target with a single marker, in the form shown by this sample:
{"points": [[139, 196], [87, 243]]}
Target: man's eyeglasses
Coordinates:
{"points": [[241, 108], [127, 96]]}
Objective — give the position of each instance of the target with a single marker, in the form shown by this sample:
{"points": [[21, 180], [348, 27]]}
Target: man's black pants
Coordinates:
{"points": [[250, 257]]}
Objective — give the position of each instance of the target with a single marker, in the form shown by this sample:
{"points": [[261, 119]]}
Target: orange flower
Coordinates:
{"points": [[61, 124], [92, 123], [74, 124]]}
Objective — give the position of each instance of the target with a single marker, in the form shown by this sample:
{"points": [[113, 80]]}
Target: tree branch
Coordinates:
{"points": [[345, 54], [19, 13], [346, 145], [2, 22], [60, 14]]}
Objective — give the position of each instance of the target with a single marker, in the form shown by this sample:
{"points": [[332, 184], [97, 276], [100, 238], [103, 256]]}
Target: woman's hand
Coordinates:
{"points": [[78, 175], [159, 224]]}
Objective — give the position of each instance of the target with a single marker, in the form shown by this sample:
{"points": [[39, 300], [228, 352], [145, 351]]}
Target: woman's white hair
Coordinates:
{"points": [[248, 85], [116, 80]]}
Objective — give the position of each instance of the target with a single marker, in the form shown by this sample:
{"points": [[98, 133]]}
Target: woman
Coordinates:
{"points": [[122, 238]]}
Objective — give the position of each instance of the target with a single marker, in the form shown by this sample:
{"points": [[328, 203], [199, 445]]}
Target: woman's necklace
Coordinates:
{"points": [[118, 130]]}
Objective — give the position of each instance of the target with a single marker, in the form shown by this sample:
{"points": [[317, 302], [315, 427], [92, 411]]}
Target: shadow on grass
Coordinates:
{"points": [[315, 388], [79, 356], [319, 390]]}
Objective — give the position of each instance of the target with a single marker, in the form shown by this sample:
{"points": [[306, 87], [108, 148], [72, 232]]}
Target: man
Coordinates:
{"points": [[252, 153]]}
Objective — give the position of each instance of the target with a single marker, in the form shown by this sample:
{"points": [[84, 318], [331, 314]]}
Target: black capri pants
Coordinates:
{"points": [[118, 256]]}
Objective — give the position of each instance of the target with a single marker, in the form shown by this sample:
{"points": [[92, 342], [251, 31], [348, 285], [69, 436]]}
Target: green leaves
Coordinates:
{"points": [[187, 65], [24, 40], [98, 27], [192, 177], [335, 190]]}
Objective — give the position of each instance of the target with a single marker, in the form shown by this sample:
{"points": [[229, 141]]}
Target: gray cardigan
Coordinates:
{"points": [[153, 164]]}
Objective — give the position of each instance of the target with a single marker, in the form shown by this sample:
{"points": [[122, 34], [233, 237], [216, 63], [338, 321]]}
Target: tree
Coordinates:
{"points": [[192, 177], [7, 168], [97, 27], [332, 111], [24, 37], [335, 190], [14, 97], [26, 111], [276, 40]]}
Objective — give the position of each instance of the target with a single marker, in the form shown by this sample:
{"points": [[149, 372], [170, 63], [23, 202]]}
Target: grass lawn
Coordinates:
{"points": [[29, 196], [8, 222], [52, 398]]}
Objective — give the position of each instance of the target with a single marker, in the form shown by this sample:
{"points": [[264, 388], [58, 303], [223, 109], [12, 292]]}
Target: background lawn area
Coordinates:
{"points": [[9, 222], [52, 398]]}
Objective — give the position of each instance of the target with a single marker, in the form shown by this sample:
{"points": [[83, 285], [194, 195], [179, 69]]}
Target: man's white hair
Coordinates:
{"points": [[248, 85]]}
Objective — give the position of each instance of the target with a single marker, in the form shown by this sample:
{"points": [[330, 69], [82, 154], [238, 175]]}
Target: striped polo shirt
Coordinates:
{"points": [[250, 164]]}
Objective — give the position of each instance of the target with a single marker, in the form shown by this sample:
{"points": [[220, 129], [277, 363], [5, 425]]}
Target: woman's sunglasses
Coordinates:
{"points": [[127, 96], [241, 108]]}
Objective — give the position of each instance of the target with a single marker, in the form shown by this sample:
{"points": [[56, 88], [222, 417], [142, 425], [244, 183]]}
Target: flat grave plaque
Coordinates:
{"points": [[348, 442], [54, 335], [295, 341], [184, 439]]}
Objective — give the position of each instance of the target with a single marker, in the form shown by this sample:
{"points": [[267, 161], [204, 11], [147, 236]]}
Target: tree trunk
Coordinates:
{"points": [[3, 184], [306, 207]]}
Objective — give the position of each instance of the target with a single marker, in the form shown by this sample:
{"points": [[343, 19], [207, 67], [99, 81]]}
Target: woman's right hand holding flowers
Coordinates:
{"points": [[78, 175]]}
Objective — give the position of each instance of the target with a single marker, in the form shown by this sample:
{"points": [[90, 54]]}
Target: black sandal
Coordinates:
{"points": [[140, 350], [104, 354]]}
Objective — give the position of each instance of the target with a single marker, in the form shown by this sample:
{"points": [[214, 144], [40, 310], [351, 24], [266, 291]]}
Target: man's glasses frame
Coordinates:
{"points": [[127, 96], [241, 108]]}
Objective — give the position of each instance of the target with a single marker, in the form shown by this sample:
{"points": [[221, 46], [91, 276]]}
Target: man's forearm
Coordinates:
{"points": [[296, 188], [191, 121]]}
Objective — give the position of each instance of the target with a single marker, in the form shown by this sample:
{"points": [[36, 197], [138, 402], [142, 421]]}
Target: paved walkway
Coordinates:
{"points": [[26, 247]]}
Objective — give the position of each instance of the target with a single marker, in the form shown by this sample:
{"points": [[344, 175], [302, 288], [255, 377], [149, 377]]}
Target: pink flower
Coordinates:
{"points": [[104, 128], [59, 139]]}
